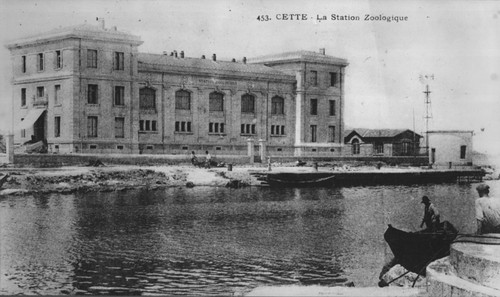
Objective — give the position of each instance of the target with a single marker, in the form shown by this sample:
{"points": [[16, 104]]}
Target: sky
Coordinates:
{"points": [[456, 44]]}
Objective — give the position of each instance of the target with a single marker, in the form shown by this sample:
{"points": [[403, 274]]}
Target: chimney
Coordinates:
{"points": [[203, 56], [322, 51], [101, 23], [182, 54], [175, 54], [244, 60], [214, 57]]}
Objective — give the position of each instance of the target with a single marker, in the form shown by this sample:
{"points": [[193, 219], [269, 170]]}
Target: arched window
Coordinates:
{"points": [[355, 146], [277, 105], [182, 100], [248, 103], [216, 101], [147, 98]]}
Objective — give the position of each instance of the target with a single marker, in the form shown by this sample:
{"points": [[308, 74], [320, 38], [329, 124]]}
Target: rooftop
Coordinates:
{"points": [[450, 131], [85, 30], [302, 56], [152, 62], [374, 133]]}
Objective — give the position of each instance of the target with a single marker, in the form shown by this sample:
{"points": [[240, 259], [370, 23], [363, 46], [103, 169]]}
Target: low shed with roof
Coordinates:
{"points": [[381, 142]]}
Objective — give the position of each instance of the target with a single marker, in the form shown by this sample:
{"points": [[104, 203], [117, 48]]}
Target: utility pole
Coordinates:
{"points": [[414, 145], [427, 116]]}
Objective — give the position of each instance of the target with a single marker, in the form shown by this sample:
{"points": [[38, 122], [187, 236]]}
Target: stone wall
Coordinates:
{"points": [[57, 160]]}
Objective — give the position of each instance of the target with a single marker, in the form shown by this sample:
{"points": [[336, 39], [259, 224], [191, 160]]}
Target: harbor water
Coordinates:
{"points": [[211, 240]]}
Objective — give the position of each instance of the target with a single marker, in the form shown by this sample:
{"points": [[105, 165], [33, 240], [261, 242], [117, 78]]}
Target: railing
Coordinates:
{"points": [[41, 102]]}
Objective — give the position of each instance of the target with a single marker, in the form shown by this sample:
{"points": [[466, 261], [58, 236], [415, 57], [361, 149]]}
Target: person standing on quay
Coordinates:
{"points": [[431, 215], [487, 211], [208, 159]]}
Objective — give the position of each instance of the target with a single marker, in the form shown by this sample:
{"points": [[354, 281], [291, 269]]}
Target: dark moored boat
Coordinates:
{"points": [[415, 250], [300, 179]]}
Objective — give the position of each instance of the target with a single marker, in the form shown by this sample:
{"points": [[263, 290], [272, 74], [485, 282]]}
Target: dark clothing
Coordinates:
{"points": [[194, 160]]}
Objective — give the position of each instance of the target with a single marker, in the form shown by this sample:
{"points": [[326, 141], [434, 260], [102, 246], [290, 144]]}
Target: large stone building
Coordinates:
{"points": [[87, 89]]}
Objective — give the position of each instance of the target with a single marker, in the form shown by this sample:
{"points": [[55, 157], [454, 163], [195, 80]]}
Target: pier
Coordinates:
{"points": [[378, 177]]}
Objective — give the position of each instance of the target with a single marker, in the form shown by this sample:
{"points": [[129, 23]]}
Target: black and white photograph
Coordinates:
{"points": [[250, 148]]}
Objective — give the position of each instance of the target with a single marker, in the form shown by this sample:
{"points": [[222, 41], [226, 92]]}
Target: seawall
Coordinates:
{"points": [[58, 160]]}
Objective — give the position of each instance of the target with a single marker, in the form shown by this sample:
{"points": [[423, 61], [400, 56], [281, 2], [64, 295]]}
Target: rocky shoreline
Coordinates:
{"points": [[102, 178], [120, 178]]}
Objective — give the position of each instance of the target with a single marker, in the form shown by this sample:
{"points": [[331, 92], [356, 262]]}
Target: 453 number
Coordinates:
{"points": [[263, 18]]}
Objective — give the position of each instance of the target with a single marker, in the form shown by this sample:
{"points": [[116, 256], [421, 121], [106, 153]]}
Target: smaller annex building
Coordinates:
{"points": [[450, 147], [381, 142]]}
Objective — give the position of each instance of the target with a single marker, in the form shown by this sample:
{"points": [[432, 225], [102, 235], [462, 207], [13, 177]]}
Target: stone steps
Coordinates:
{"points": [[477, 260], [472, 269], [442, 281]]}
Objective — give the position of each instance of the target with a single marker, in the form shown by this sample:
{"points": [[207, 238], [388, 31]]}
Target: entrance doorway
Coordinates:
{"points": [[39, 128], [256, 152]]}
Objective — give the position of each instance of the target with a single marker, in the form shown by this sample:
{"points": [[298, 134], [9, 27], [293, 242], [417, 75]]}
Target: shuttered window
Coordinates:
{"points": [[182, 100]]}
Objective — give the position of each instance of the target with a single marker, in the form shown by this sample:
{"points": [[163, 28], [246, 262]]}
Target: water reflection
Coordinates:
{"points": [[209, 241]]}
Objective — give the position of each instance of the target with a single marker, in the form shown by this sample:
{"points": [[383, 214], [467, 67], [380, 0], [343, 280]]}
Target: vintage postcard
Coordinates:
{"points": [[248, 148]]}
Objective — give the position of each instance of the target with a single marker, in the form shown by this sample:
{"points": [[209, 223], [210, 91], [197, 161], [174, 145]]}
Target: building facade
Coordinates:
{"points": [[450, 147], [87, 89]]}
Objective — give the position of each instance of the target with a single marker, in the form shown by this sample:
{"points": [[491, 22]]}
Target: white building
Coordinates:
{"points": [[452, 147]]}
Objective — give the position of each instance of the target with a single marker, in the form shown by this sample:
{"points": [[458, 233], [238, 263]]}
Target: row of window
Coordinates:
{"points": [[405, 147], [314, 133], [182, 126], [40, 93], [92, 124], [93, 94], [118, 59], [40, 61], [147, 100], [332, 110], [147, 125], [119, 63], [248, 129], [215, 127], [92, 61], [277, 130], [185, 126], [150, 147], [334, 78], [185, 148]]}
